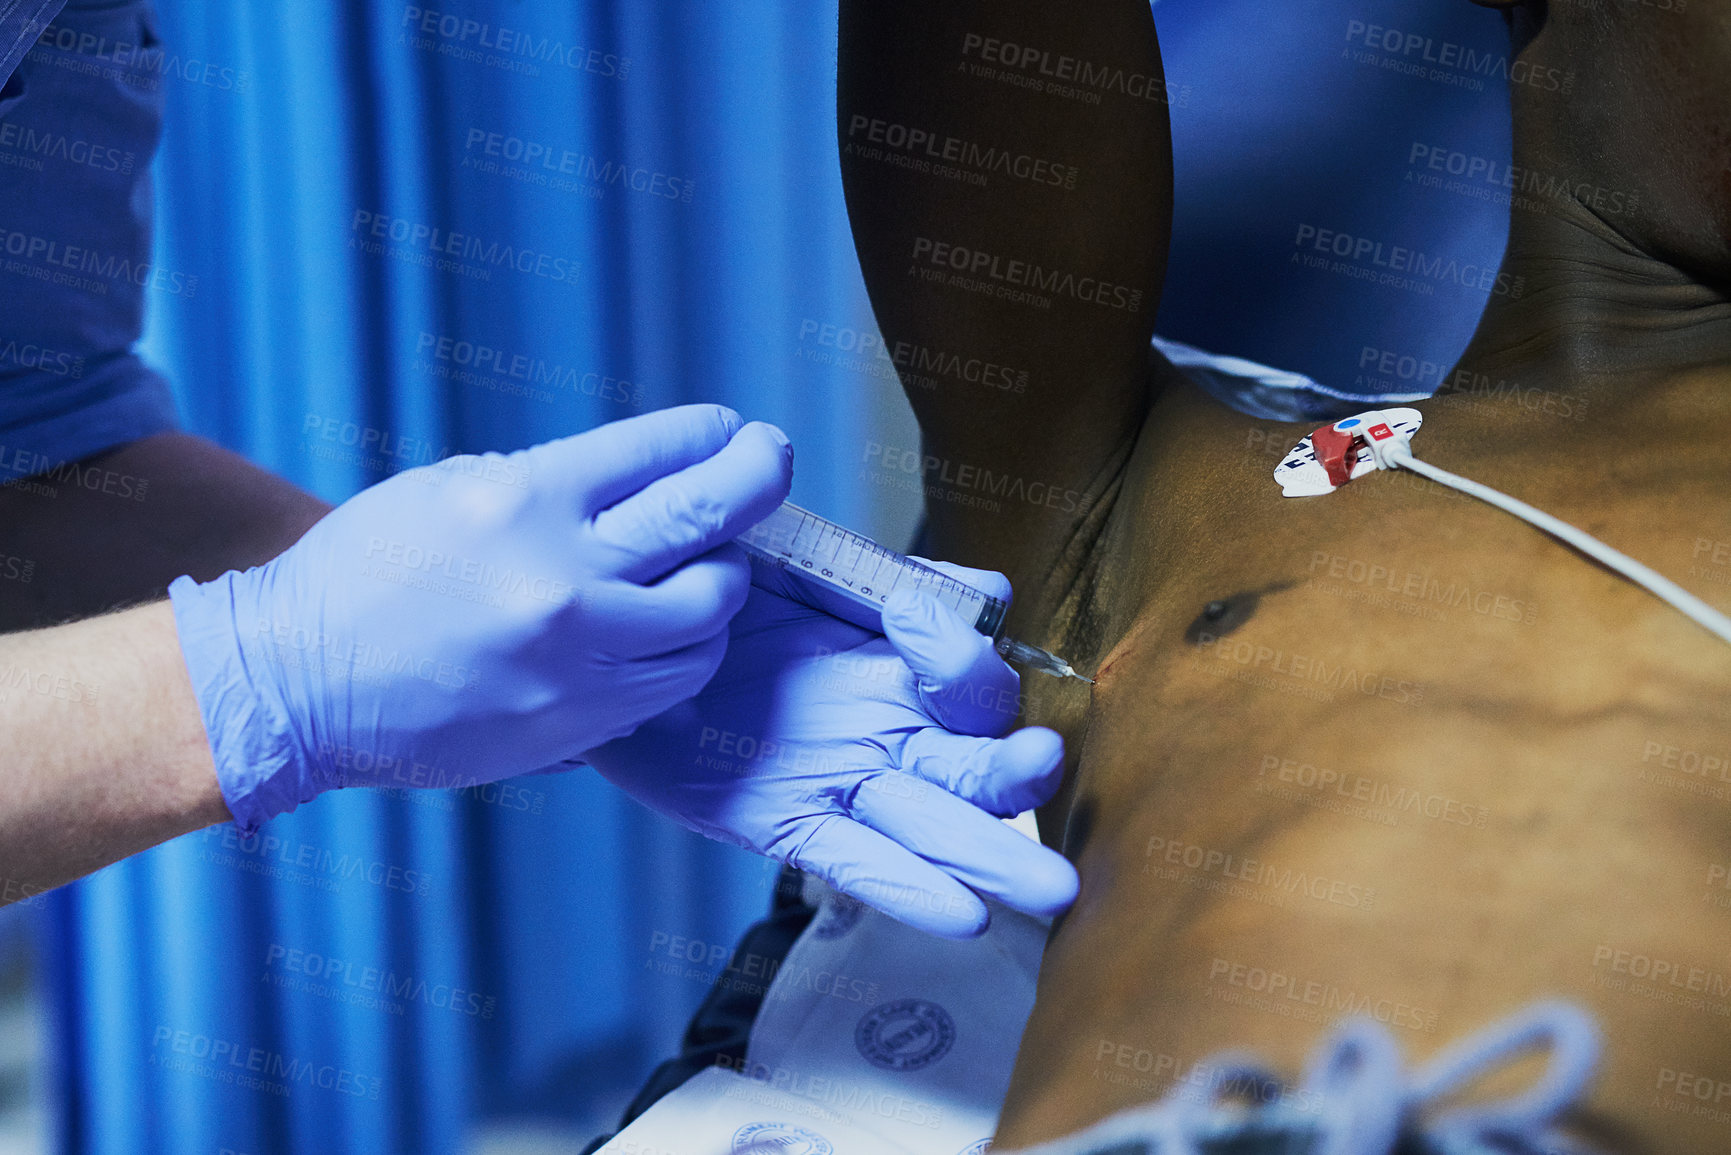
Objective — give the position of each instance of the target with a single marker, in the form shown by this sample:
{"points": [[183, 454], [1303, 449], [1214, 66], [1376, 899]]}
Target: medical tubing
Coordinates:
{"points": [[1566, 1031], [1656, 583], [1358, 1097]]}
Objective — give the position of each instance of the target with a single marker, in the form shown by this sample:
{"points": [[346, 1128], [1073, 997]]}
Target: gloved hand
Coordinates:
{"points": [[873, 762], [485, 616]]}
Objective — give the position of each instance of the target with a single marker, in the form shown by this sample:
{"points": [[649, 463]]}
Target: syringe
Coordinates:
{"points": [[851, 576]]}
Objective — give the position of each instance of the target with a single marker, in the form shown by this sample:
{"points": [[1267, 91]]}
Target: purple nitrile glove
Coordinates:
{"points": [[483, 617], [877, 763]]}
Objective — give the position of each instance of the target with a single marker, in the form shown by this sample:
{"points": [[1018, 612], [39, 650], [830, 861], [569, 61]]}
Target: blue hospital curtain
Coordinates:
{"points": [[407, 231]]}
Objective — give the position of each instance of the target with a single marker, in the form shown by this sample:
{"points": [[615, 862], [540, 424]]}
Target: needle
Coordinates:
{"points": [[1043, 660]]}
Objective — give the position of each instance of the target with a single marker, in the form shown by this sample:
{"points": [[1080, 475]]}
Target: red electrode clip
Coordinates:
{"points": [[1334, 454], [1336, 445]]}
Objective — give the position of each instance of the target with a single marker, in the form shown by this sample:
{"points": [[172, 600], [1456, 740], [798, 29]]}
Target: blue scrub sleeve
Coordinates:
{"points": [[79, 122]]}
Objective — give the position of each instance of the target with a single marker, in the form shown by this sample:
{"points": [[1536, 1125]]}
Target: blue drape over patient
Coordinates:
{"points": [[1342, 182]]}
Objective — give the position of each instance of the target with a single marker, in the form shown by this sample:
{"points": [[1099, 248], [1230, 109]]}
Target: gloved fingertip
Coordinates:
{"points": [[776, 435], [774, 454], [771, 439], [968, 926], [976, 930], [1029, 767], [728, 416], [733, 600], [1038, 748], [734, 572], [956, 913], [1047, 889]]}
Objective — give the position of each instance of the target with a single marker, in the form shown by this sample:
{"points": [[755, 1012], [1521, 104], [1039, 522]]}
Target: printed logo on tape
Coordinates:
{"points": [[906, 1035], [779, 1139]]}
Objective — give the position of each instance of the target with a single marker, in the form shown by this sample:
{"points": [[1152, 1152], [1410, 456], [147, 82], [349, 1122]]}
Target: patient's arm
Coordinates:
{"points": [[1071, 97]]}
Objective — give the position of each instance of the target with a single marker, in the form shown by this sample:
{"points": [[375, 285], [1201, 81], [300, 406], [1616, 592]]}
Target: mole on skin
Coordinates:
{"points": [[1219, 618]]}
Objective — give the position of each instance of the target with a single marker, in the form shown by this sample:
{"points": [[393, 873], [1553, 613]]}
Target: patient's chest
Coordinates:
{"points": [[1383, 752]]}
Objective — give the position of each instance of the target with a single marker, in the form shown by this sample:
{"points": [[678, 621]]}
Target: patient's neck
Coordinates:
{"points": [[1594, 313]]}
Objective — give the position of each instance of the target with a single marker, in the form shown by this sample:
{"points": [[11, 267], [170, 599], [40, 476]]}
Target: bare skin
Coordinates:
{"points": [[103, 748], [1530, 791]]}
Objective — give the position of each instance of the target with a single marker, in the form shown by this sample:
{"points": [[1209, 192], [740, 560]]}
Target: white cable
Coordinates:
{"points": [[1399, 456]]}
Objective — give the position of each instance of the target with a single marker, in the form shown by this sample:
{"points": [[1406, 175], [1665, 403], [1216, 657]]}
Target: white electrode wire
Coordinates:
{"points": [[1661, 586]]}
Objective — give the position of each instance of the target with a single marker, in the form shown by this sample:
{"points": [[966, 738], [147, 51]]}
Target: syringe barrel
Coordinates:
{"points": [[845, 574], [991, 619]]}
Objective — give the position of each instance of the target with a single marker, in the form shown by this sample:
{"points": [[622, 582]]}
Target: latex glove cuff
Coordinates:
{"points": [[258, 762]]}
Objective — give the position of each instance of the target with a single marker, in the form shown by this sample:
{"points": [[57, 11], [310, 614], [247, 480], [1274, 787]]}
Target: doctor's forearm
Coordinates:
{"points": [[118, 527], [102, 750]]}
